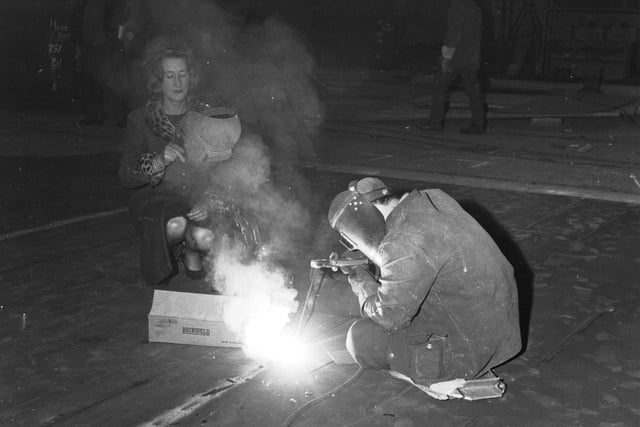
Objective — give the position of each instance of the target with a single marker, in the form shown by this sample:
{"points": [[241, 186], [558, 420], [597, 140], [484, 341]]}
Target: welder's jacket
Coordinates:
{"points": [[445, 290]]}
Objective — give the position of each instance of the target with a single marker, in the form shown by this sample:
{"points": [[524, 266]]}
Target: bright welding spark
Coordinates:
{"points": [[261, 310], [266, 338]]}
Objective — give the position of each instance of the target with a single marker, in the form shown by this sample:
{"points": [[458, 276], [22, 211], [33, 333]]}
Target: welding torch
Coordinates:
{"points": [[334, 262]]}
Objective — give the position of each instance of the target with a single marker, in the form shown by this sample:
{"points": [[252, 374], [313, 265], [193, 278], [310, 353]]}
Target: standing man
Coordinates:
{"points": [[444, 305], [460, 57]]}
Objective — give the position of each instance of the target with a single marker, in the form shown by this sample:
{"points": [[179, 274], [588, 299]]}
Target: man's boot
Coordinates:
{"points": [[475, 128]]}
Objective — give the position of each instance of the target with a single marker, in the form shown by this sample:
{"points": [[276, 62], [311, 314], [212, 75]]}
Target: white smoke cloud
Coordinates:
{"points": [[264, 69], [264, 304], [283, 219]]}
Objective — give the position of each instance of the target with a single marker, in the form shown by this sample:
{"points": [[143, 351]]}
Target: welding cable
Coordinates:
{"points": [[620, 108], [297, 412]]}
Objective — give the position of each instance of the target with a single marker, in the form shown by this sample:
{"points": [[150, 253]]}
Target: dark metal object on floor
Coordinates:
{"points": [[575, 331]]}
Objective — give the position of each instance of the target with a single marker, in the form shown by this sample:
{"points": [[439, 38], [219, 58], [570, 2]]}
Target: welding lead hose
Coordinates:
{"points": [[288, 422]]}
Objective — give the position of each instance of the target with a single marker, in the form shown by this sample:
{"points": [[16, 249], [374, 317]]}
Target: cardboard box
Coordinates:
{"points": [[190, 318]]}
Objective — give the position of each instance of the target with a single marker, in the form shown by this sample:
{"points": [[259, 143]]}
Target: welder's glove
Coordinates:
{"points": [[362, 283], [351, 255]]}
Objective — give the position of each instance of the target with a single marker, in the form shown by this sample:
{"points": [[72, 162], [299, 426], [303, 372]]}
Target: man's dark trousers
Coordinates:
{"points": [[471, 87]]}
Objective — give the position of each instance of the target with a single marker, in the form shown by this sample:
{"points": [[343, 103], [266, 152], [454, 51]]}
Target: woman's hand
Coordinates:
{"points": [[199, 212], [173, 152]]}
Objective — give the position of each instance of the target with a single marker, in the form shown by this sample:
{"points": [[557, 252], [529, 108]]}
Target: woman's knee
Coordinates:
{"points": [[175, 229], [199, 238]]}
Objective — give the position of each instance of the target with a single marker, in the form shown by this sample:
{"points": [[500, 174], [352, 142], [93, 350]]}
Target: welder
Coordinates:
{"points": [[441, 301]]}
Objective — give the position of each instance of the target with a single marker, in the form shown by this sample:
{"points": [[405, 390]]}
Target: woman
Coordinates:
{"points": [[170, 146]]}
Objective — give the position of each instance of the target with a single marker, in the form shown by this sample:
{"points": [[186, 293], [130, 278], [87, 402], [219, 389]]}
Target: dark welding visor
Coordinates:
{"points": [[347, 242]]}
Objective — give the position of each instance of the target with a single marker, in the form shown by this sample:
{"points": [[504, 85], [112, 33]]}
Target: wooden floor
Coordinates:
{"points": [[75, 348], [73, 309]]}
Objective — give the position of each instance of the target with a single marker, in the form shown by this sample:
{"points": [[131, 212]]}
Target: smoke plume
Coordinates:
{"points": [[264, 70], [264, 300]]}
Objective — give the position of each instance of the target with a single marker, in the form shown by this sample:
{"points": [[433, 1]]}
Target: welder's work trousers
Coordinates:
{"points": [[418, 357], [472, 88]]}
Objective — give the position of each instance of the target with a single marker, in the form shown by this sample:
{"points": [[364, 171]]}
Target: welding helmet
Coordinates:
{"points": [[370, 188], [210, 138], [360, 224]]}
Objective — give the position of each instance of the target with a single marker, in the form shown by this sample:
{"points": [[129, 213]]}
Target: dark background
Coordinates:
{"points": [[549, 40]]}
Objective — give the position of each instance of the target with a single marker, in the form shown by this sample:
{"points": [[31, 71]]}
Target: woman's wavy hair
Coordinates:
{"points": [[161, 49]]}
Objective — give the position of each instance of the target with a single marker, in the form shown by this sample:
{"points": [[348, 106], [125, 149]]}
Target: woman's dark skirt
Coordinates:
{"points": [[150, 211]]}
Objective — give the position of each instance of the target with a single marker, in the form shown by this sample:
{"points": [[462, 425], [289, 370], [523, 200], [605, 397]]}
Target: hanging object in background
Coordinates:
{"points": [[59, 35]]}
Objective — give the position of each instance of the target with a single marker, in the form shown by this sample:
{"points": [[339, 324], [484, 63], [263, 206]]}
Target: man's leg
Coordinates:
{"points": [[368, 344], [439, 100], [476, 100]]}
